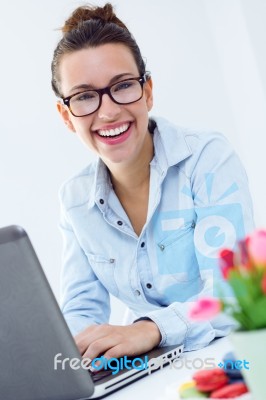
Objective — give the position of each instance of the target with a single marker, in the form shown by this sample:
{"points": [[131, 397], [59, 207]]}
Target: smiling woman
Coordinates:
{"points": [[145, 222]]}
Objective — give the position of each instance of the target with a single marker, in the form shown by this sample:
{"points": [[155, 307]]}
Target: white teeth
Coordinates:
{"points": [[114, 132]]}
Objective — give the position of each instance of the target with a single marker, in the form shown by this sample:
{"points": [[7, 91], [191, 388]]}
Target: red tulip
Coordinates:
{"points": [[226, 262], [244, 258]]}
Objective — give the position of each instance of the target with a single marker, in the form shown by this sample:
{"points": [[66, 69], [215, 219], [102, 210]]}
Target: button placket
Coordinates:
{"points": [[145, 275]]}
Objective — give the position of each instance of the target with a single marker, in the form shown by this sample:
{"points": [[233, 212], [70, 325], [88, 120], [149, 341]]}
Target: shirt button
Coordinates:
{"points": [[142, 244], [101, 201], [137, 292], [149, 285], [119, 223], [162, 247]]}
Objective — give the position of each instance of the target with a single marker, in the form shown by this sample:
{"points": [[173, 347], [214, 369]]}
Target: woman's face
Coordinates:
{"points": [[97, 68]]}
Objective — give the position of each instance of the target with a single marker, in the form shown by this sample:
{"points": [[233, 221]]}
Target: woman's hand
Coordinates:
{"points": [[118, 341]]}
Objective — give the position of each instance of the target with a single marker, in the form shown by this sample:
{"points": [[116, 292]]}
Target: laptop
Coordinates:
{"points": [[39, 359]]}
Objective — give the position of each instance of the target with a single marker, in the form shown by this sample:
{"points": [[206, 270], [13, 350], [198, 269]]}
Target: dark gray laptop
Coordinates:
{"points": [[33, 331]]}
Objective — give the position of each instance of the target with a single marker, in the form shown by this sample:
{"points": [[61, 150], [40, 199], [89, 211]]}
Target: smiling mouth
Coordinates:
{"points": [[110, 133]]}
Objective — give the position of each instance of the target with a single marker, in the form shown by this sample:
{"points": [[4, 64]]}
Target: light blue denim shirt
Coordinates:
{"points": [[198, 202]]}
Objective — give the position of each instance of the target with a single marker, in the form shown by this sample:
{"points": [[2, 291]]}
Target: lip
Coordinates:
{"points": [[115, 140]]}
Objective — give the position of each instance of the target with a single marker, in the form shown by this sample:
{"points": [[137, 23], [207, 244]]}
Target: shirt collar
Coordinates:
{"points": [[101, 186], [170, 145]]}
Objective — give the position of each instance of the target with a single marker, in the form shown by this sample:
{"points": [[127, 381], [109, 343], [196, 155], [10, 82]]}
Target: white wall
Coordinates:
{"points": [[208, 63]]}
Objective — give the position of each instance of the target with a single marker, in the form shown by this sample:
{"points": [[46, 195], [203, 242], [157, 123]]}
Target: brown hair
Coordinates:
{"points": [[90, 26]]}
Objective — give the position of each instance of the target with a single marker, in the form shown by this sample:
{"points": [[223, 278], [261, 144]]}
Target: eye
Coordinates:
{"points": [[124, 85], [85, 96]]}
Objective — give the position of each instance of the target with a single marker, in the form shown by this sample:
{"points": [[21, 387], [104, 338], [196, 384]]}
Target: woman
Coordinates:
{"points": [[145, 222]]}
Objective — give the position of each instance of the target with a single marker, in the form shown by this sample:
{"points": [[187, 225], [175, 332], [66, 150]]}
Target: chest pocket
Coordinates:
{"points": [[104, 269], [176, 255]]}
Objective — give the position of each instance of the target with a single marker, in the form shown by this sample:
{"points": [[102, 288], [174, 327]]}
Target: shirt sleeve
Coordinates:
{"points": [[176, 328], [84, 300], [224, 214]]}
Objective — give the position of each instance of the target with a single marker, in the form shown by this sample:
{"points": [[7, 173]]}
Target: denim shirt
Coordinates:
{"points": [[198, 203]]}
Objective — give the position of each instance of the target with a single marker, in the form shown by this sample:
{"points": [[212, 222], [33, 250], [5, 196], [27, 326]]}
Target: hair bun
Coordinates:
{"points": [[86, 13]]}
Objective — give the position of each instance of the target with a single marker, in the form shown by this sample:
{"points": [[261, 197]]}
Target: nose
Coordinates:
{"points": [[109, 110]]}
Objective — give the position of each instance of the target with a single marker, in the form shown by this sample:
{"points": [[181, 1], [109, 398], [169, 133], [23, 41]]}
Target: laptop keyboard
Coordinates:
{"points": [[98, 375]]}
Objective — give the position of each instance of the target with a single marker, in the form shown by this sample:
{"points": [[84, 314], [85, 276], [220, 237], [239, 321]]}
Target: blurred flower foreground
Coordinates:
{"points": [[244, 269]]}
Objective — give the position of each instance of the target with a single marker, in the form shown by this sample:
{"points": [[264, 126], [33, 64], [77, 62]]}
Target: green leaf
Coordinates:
{"points": [[257, 313]]}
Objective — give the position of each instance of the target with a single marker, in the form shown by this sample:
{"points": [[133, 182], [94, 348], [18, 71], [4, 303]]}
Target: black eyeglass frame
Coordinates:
{"points": [[107, 90]]}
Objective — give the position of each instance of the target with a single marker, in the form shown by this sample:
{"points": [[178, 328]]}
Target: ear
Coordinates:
{"points": [[148, 94], [65, 114]]}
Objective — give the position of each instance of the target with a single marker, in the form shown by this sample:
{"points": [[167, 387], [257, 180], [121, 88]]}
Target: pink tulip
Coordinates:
{"points": [[263, 284], [205, 309], [257, 247], [226, 262]]}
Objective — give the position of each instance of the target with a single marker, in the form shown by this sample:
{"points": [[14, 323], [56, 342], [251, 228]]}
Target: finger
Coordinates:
{"points": [[101, 346], [89, 335], [120, 350], [82, 340]]}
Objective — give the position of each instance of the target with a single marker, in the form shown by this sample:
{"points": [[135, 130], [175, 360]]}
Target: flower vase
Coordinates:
{"points": [[251, 346]]}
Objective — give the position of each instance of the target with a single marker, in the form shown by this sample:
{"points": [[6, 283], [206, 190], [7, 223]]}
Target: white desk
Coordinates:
{"points": [[152, 387]]}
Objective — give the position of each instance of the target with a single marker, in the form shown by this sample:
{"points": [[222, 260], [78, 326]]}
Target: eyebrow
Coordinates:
{"points": [[115, 78]]}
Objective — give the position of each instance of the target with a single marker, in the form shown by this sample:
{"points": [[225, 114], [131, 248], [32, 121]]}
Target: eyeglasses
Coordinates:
{"points": [[124, 92]]}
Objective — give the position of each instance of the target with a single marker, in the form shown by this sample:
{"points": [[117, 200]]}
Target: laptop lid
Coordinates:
{"points": [[33, 329]]}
